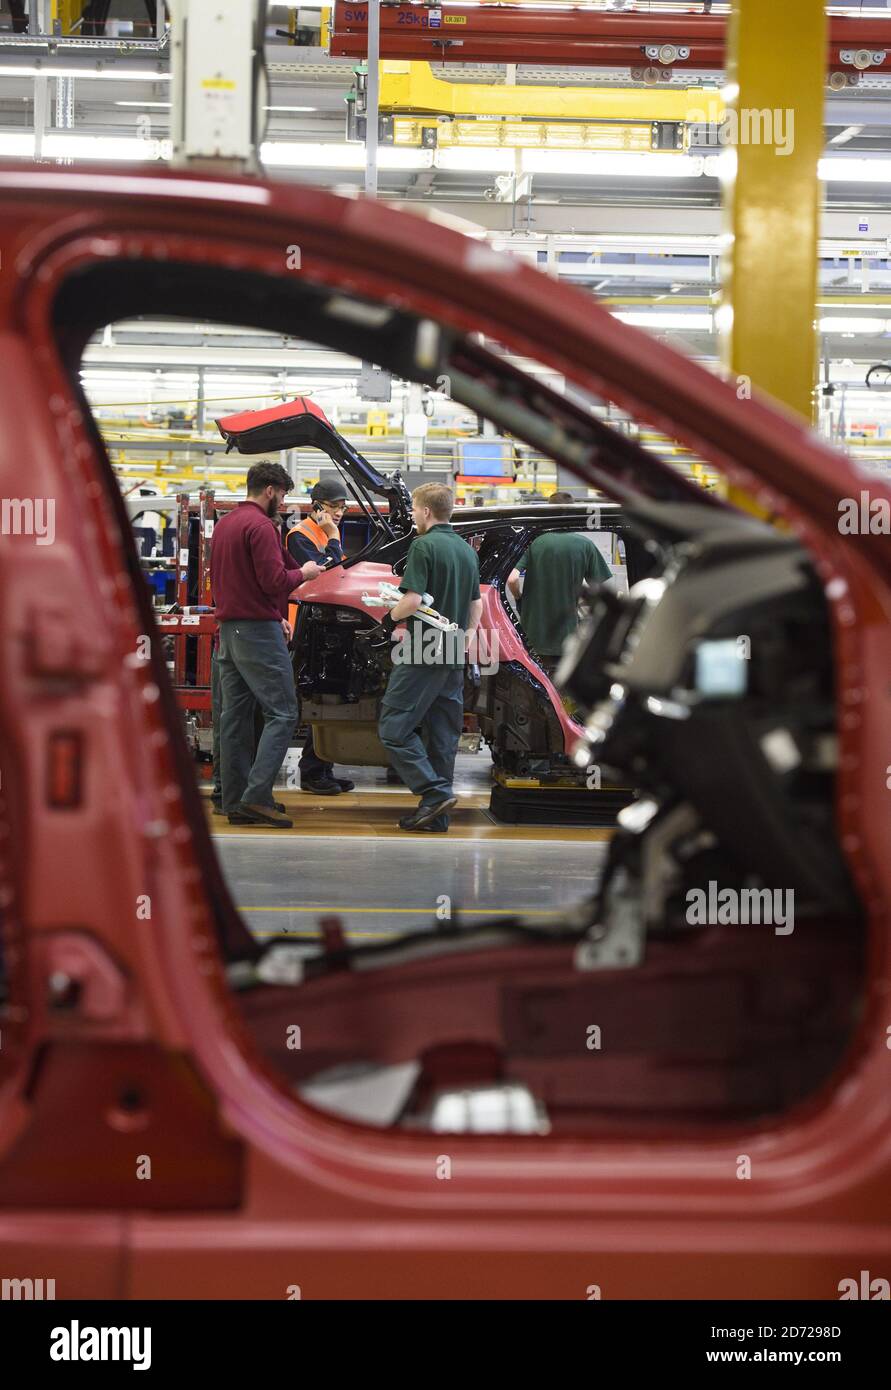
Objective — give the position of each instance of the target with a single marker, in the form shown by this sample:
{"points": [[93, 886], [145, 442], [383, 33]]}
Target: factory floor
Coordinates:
{"points": [[347, 855]]}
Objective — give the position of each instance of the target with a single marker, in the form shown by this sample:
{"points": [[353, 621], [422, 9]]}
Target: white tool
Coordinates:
{"points": [[388, 594]]}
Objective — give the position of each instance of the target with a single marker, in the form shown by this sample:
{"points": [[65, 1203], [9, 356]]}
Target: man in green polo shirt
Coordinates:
{"points": [[556, 567], [426, 688]]}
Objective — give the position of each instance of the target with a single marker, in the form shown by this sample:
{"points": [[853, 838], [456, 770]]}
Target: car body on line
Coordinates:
{"points": [[732, 1137], [509, 699]]}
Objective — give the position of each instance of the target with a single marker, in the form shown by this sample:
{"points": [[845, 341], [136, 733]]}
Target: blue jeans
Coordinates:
{"points": [[216, 710], [254, 664], [429, 698]]}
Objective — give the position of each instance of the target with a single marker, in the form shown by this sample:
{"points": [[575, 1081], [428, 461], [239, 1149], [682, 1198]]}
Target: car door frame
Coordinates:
{"points": [[829, 1159]]}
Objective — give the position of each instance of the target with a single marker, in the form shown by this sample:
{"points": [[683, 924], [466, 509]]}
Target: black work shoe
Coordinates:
{"points": [[406, 823], [321, 786], [260, 815], [242, 819], [344, 783], [422, 817]]}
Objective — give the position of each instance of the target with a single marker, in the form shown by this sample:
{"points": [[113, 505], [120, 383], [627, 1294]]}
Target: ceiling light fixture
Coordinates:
{"points": [[840, 324], [87, 74], [677, 319], [292, 154], [854, 170], [608, 165]]}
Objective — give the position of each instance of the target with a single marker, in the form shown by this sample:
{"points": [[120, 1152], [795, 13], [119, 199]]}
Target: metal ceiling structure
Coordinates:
{"points": [[645, 236], [648, 42]]}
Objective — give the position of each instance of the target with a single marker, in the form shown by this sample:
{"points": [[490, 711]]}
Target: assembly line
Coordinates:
{"points": [[444, 596]]}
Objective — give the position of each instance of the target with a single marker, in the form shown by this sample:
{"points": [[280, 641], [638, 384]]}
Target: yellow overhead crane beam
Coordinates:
{"points": [[411, 88], [526, 135], [428, 111]]}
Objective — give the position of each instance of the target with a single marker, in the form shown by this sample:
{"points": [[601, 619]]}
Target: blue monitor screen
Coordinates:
{"points": [[485, 458]]}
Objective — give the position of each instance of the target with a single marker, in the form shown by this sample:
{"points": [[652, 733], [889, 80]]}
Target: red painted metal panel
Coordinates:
{"points": [[193, 697], [584, 37]]}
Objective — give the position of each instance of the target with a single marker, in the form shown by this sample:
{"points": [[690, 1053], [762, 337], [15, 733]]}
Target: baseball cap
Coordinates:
{"points": [[326, 490]]}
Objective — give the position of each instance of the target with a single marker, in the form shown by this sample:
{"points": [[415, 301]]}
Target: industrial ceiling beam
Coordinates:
{"points": [[107, 65], [634, 220], [41, 39], [412, 87], [656, 44]]}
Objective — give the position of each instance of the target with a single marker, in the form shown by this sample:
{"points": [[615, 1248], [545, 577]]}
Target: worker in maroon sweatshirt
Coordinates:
{"points": [[252, 577]]}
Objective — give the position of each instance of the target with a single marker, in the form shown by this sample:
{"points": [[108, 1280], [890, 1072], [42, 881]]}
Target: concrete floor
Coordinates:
{"points": [[347, 856]]}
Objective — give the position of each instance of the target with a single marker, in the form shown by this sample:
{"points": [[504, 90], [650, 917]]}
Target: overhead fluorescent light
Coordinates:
{"points": [[17, 144], [118, 378], [129, 148], [721, 166], [693, 322], [224, 382], [842, 170], [840, 324], [143, 104], [293, 154], [469, 159], [126, 148], [579, 163], [612, 165], [668, 244], [292, 108], [87, 74]]}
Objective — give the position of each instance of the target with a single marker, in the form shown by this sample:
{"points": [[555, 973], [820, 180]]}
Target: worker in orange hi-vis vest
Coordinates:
{"points": [[317, 538]]}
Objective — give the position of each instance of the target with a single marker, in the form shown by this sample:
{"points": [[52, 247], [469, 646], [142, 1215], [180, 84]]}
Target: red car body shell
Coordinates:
{"points": [[498, 638], [122, 1042]]}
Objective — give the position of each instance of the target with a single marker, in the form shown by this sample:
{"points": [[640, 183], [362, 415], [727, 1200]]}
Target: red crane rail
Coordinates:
{"points": [[584, 38]]}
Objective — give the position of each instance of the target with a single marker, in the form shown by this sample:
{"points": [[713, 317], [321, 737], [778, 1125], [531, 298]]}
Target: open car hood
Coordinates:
{"points": [[300, 423]]}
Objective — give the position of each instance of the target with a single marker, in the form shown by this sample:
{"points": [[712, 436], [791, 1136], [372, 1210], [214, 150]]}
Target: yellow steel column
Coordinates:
{"points": [[776, 76]]}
